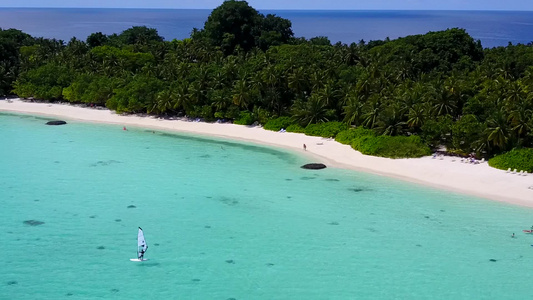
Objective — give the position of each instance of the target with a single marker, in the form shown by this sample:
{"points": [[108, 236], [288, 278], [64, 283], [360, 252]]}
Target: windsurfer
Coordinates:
{"points": [[141, 254]]}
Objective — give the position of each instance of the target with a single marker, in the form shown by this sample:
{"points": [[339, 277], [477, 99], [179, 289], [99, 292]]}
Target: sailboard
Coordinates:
{"points": [[141, 246]]}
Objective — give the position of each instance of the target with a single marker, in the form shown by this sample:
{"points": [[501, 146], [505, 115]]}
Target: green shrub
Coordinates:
{"points": [[277, 124], [348, 136], [245, 118], [295, 128], [328, 129], [366, 141], [391, 146], [206, 112], [520, 159]]}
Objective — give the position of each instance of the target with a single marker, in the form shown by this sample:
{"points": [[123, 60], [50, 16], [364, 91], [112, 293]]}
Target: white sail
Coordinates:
{"points": [[141, 243]]}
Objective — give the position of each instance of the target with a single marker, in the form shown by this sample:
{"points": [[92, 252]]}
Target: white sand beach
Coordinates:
{"points": [[442, 172]]}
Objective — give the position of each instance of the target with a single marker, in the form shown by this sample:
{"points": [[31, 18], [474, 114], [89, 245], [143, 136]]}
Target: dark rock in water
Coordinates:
{"points": [[132, 206], [92, 217], [270, 264], [207, 226], [229, 201], [114, 290], [118, 220], [33, 222], [230, 261], [156, 244], [493, 260], [12, 282], [56, 122], [314, 166], [69, 294], [100, 247]]}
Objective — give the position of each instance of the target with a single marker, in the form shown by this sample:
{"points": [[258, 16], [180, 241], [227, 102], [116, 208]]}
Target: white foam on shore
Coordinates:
{"points": [[442, 172]]}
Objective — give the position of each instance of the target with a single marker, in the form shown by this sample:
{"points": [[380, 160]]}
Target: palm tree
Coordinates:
{"points": [[314, 110], [297, 82], [163, 102], [371, 114], [520, 117], [196, 92], [417, 116], [242, 95], [497, 132], [390, 121], [182, 99], [329, 92], [443, 102], [353, 110], [220, 100]]}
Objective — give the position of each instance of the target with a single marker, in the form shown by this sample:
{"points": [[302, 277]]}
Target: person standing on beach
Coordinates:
{"points": [[305, 149]]}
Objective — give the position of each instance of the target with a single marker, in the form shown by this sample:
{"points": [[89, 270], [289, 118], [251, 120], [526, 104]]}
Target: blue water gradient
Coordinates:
{"points": [[234, 220], [493, 28]]}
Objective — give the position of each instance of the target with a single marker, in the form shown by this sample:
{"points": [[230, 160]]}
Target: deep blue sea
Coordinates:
{"points": [[493, 28]]}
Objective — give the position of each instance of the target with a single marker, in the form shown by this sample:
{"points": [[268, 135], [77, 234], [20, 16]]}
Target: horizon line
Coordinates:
{"points": [[278, 9]]}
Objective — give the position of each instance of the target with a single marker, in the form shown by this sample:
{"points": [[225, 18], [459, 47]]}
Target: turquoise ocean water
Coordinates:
{"points": [[228, 220]]}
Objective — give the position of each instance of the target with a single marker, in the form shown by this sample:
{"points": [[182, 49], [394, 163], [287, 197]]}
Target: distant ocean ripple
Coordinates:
{"points": [[493, 28]]}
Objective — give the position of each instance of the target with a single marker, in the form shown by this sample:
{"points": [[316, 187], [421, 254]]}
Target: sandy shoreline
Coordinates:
{"points": [[443, 173]]}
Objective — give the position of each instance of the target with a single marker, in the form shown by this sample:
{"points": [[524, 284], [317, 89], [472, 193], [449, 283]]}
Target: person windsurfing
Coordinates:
{"points": [[141, 253], [142, 246]]}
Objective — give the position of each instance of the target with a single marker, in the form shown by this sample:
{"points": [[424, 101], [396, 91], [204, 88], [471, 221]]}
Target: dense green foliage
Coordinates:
{"points": [[278, 123], [348, 136], [519, 159], [236, 26], [11, 40], [328, 129], [392, 146], [437, 89], [367, 142]]}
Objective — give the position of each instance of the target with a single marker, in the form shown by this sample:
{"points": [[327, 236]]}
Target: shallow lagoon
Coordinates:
{"points": [[231, 220]]}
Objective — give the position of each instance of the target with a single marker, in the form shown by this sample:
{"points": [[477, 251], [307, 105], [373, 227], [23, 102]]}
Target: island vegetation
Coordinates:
{"points": [[393, 98]]}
